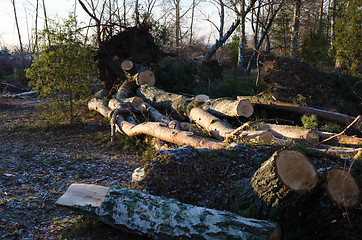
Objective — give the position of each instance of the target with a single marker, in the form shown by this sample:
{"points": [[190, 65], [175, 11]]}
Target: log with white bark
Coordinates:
{"points": [[221, 107], [321, 114], [176, 103], [157, 130], [115, 103], [342, 188], [100, 105], [220, 130], [291, 132], [286, 172], [162, 218]]}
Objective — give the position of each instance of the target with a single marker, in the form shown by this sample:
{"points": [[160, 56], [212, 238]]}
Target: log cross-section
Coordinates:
{"points": [[342, 188], [162, 218], [286, 172]]}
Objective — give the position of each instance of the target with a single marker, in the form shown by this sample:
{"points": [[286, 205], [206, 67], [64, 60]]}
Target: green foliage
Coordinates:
{"points": [[193, 78], [64, 69], [300, 100], [160, 33], [281, 31], [315, 47], [348, 33], [233, 48], [310, 122]]}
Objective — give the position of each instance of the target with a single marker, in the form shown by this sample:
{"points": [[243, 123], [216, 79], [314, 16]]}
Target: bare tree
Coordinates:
{"points": [[274, 12], [17, 27], [234, 25]]}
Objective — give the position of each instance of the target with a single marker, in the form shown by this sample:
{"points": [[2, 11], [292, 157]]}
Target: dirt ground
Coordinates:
{"points": [[38, 164]]}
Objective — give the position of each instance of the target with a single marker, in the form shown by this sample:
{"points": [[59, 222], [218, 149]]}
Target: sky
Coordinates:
{"points": [[25, 10], [55, 8]]}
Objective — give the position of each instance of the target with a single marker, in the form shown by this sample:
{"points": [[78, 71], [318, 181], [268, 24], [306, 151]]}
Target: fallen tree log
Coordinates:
{"points": [[321, 114], [229, 108], [161, 218], [157, 130], [115, 103], [342, 188], [181, 105], [220, 131], [292, 132], [342, 139], [101, 106]]}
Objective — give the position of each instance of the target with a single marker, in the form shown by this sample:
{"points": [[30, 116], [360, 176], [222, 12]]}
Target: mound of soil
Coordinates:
{"points": [[295, 81]]}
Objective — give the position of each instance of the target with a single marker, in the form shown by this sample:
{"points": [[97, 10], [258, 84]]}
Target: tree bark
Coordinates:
{"points": [[342, 188], [115, 103], [321, 114], [162, 218], [229, 108], [101, 106]]}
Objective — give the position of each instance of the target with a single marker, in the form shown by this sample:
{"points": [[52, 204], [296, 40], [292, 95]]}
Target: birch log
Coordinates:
{"points": [[162, 218], [157, 130], [221, 107], [292, 132], [176, 103], [101, 106], [115, 103], [220, 131]]}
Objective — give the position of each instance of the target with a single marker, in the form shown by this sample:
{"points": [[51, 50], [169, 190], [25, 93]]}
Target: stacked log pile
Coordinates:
{"points": [[287, 185]]}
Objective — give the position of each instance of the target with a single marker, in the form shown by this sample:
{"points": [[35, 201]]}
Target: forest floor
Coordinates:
{"points": [[38, 163]]}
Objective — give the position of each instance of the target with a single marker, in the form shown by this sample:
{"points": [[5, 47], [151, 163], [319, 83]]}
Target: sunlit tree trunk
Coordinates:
{"points": [[178, 27], [295, 28], [242, 36]]}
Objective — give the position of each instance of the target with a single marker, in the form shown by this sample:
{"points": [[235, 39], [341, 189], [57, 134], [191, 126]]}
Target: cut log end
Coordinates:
{"points": [[201, 98], [296, 171], [127, 65], [276, 234], [245, 108], [136, 101], [146, 77], [342, 188], [83, 195]]}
